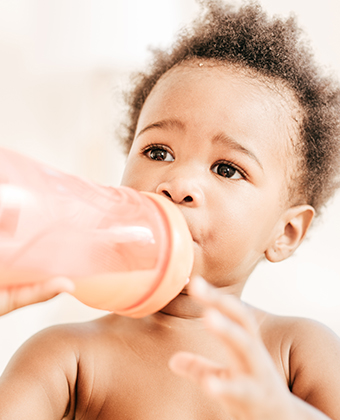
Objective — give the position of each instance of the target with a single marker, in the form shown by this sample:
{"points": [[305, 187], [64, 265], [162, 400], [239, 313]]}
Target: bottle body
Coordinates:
{"points": [[115, 243]]}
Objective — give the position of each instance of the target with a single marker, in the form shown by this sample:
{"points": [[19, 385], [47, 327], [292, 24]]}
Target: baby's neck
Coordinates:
{"points": [[183, 306], [187, 307]]}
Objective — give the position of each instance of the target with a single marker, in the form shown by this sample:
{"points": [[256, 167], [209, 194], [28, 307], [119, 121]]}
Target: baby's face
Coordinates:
{"points": [[215, 142]]}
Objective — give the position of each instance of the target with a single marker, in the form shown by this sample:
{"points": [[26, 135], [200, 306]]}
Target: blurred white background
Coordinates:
{"points": [[63, 66]]}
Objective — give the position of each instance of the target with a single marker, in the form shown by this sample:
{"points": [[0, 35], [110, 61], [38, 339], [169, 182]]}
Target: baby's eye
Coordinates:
{"points": [[159, 153], [227, 170]]}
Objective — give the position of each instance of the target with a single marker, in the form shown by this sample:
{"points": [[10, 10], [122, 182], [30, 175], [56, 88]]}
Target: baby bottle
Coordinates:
{"points": [[126, 251]]}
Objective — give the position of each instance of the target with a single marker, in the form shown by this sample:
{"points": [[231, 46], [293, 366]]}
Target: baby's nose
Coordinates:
{"points": [[182, 191]]}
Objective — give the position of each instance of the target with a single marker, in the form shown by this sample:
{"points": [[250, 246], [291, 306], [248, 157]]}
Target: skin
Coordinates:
{"points": [[17, 297], [217, 142]]}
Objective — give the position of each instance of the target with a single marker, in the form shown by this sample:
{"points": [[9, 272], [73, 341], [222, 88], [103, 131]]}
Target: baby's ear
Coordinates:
{"points": [[291, 230]]}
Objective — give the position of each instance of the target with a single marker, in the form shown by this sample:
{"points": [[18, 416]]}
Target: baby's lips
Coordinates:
{"points": [[194, 232]]}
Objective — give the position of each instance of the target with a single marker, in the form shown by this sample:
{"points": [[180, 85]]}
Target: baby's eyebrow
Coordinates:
{"points": [[163, 124], [170, 124], [230, 142]]}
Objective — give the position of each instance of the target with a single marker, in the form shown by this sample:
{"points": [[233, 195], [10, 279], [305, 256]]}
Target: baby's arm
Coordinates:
{"points": [[315, 366], [250, 386], [38, 382], [16, 297]]}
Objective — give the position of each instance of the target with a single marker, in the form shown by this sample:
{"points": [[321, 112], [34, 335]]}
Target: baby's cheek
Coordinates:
{"points": [[232, 256]]}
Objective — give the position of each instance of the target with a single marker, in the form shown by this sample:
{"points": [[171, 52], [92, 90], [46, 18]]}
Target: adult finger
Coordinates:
{"points": [[16, 297]]}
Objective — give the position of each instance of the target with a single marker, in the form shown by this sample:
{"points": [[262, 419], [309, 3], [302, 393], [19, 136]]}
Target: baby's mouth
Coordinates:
{"points": [[195, 240], [193, 236], [189, 222]]}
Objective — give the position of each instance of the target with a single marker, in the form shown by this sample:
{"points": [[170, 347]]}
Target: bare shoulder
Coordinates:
{"points": [[44, 372], [44, 346], [66, 342], [58, 339], [310, 352]]}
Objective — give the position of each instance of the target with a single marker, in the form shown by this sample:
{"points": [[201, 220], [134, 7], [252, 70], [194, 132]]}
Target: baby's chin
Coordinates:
{"points": [[215, 275]]}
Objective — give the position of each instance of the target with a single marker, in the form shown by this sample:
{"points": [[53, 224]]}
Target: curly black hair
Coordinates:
{"points": [[273, 47]]}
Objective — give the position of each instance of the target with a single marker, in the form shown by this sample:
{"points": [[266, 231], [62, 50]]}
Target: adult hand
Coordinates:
{"points": [[16, 297]]}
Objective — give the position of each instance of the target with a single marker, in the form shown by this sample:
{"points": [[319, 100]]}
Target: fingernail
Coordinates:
{"points": [[199, 286], [216, 319], [213, 384]]}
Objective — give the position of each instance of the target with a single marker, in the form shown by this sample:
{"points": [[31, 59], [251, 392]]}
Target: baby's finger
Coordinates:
{"points": [[234, 394], [194, 367], [243, 346], [238, 396], [228, 305]]}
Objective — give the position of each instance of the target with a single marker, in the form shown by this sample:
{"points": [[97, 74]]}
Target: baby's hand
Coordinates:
{"points": [[16, 297], [249, 387]]}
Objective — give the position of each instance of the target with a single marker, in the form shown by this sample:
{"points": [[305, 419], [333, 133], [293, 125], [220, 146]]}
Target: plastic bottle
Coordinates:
{"points": [[127, 252]]}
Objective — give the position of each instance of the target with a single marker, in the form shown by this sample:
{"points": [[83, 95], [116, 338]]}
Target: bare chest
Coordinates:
{"points": [[146, 393], [131, 385], [127, 376]]}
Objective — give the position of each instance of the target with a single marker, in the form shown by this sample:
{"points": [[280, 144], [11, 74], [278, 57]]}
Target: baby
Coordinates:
{"points": [[238, 128]]}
